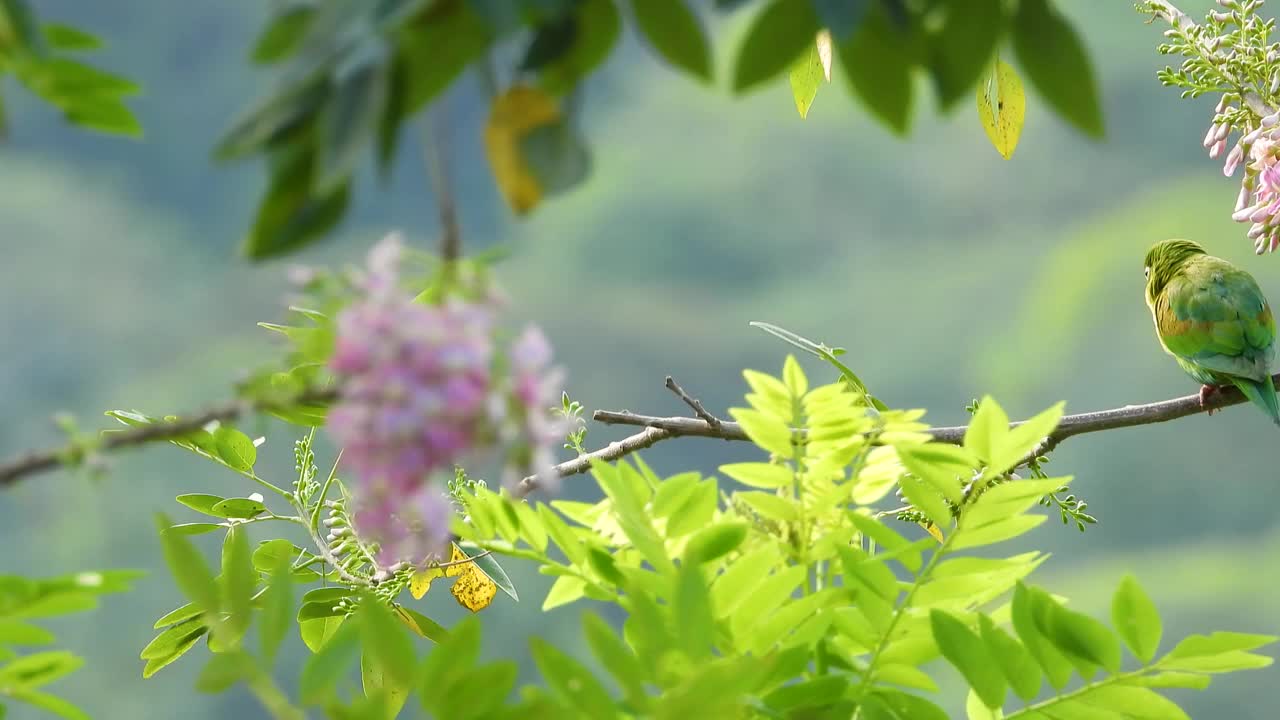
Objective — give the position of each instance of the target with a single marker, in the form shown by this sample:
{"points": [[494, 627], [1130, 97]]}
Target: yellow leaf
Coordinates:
{"points": [[457, 566], [514, 115], [1002, 106], [420, 582], [473, 589], [934, 531]]}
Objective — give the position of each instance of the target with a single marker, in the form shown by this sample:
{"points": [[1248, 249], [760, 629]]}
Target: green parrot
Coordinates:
{"points": [[1212, 318]]}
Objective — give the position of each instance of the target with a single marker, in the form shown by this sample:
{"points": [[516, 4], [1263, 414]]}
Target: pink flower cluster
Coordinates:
{"points": [[1258, 202], [418, 395]]}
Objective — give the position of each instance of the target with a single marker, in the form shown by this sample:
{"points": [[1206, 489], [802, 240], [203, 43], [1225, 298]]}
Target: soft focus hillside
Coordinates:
{"points": [[946, 271]]}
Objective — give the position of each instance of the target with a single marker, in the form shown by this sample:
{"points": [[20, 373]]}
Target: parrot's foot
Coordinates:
{"points": [[1205, 392]]}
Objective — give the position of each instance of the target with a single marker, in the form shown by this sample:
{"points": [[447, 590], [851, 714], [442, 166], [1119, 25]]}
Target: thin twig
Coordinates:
{"points": [[692, 402], [438, 168]]}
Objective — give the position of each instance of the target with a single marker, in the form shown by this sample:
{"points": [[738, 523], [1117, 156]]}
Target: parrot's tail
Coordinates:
{"points": [[1262, 394]]}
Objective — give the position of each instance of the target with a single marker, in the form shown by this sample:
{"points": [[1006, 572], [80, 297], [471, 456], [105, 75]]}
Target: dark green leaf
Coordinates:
{"points": [[235, 448], [488, 565], [964, 46], [674, 31], [841, 17], [18, 27], [598, 27], [280, 38], [571, 681], [451, 659], [350, 118], [392, 115], [108, 115], [438, 50], [224, 670], [877, 60], [550, 43], [271, 120], [966, 651], [557, 157], [820, 692], [776, 37], [1054, 60], [189, 568], [1136, 619], [422, 625], [289, 217], [324, 670], [65, 37]]}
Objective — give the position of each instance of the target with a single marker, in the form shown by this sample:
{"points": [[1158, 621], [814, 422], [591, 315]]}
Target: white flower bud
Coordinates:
{"points": [[1233, 161], [1242, 199], [1217, 149], [1222, 132], [1255, 231], [1211, 135]]}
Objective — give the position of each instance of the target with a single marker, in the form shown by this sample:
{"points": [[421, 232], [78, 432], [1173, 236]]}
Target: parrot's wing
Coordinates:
{"points": [[1214, 315]]}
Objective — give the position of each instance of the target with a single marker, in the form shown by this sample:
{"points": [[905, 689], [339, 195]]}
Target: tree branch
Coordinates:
{"points": [[38, 461], [437, 146], [614, 450]]}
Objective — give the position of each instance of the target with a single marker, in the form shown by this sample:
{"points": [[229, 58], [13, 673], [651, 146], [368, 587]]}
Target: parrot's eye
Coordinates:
{"points": [[1146, 272]]}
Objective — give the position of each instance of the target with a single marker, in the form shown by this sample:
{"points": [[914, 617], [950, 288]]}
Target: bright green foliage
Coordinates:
{"points": [[38, 55], [23, 674]]}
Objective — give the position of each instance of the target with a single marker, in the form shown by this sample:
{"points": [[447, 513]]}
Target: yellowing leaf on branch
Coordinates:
{"points": [[514, 115], [473, 589], [1002, 106], [808, 69], [934, 531]]}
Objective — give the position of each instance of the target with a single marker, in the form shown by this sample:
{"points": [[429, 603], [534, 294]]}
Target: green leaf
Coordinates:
{"points": [[768, 432], [760, 474], [188, 567], [1057, 65], [564, 590], [820, 692], [1019, 668], [891, 540], [842, 17], [692, 604], [239, 508], [186, 612], [317, 632], [385, 641], [283, 32], [1136, 619], [270, 553], [968, 653], [18, 27], [806, 75], [1002, 107], [886, 704], [289, 215], [451, 660], [571, 681], [198, 528], [323, 671], [777, 36], [224, 670], [422, 625], [37, 669], [617, 658], [1218, 652], [235, 448], [1019, 442], [551, 41], [878, 63], [945, 467], [16, 632], [986, 430], [1175, 679], [277, 605], [716, 541], [556, 156], [238, 582], [769, 505], [996, 532], [1131, 702], [51, 703], [200, 502], [389, 696], [175, 644], [674, 31], [1028, 604], [925, 499], [65, 37], [562, 536], [1079, 635]]}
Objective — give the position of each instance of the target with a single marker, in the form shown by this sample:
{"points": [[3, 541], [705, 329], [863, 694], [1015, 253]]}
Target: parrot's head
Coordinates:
{"points": [[1164, 261]]}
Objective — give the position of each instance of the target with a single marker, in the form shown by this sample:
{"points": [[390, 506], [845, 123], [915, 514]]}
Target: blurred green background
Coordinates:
{"points": [[946, 271]]}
